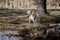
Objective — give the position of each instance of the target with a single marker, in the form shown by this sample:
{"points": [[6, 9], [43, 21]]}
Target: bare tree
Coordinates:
{"points": [[2, 2], [41, 7]]}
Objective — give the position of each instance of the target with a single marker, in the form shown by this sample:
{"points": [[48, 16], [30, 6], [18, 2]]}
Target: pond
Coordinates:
{"points": [[3, 36]]}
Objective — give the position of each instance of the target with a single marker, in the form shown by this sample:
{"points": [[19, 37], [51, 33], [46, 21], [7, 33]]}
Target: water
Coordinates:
{"points": [[11, 38], [4, 37]]}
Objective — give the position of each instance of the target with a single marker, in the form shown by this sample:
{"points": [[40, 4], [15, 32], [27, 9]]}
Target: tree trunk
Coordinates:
{"points": [[41, 7]]}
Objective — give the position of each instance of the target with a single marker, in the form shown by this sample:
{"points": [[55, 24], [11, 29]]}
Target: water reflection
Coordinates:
{"points": [[11, 38], [3, 36]]}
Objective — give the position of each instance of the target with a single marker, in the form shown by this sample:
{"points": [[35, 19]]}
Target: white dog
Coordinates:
{"points": [[31, 17]]}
